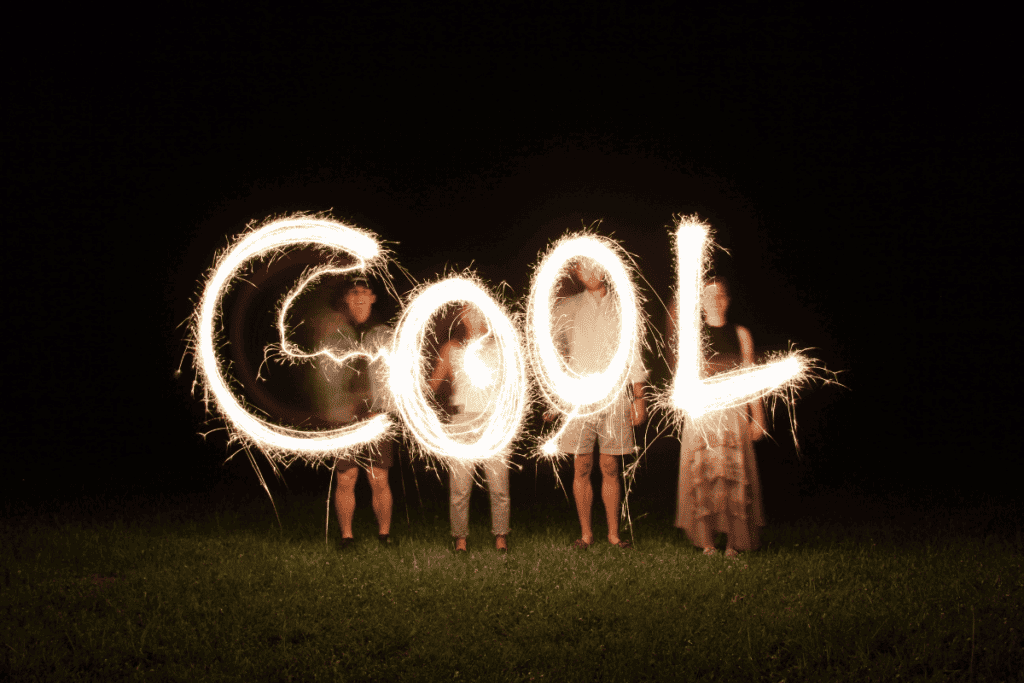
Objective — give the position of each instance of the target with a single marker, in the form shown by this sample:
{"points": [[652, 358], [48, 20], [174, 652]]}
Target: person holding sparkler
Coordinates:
{"points": [[587, 325], [360, 392], [719, 488], [470, 366]]}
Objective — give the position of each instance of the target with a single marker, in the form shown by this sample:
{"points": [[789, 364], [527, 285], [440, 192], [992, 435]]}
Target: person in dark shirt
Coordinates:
{"points": [[719, 487]]}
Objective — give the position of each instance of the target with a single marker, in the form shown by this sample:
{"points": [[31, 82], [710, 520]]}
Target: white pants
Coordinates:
{"points": [[461, 485]]}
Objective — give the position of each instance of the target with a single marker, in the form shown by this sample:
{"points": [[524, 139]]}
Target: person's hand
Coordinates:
{"points": [[756, 431], [639, 409]]}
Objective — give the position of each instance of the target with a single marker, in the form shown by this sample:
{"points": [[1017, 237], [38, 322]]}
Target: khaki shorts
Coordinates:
{"points": [[380, 455], [612, 429]]}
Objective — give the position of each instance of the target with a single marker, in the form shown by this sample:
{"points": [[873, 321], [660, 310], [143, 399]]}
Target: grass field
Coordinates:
{"points": [[190, 589]]}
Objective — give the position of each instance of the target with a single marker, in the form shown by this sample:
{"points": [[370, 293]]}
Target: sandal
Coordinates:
{"points": [[580, 544], [624, 545]]}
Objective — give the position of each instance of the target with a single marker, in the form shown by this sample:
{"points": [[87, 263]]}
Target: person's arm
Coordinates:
{"points": [[637, 382], [639, 404], [379, 342], [443, 367], [758, 428]]}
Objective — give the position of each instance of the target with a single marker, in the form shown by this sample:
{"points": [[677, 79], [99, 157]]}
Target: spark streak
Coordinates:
{"points": [[277, 441], [502, 422], [690, 394]]}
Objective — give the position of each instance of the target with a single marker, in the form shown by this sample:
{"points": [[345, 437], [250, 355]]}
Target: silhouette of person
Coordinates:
{"points": [[587, 327], [719, 488], [471, 365]]}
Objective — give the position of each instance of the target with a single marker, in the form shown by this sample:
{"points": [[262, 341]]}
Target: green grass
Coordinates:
{"points": [[214, 594]]}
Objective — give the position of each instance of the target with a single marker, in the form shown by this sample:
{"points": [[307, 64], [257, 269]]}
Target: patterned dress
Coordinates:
{"points": [[719, 490]]}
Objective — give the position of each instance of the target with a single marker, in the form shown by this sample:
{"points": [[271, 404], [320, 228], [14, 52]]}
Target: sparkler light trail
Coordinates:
{"points": [[502, 421], [689, 394], [279, 442], [574, 394]]}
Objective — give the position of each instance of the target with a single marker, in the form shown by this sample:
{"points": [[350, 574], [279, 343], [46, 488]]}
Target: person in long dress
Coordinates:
{"points": [[460, 362], [719, 487]]}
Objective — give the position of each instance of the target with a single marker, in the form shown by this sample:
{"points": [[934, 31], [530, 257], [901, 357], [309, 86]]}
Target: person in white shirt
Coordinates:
{"points": [[461, 362], [587, 327]]}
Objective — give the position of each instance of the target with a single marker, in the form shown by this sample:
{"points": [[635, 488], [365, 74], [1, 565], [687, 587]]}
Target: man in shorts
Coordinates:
{"points": [[589, 326], [361, 393]]}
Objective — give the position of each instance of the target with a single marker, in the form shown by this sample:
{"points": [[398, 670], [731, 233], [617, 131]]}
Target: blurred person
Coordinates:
{"points": [[587, 330], [719, 488], [357, 390], [461, 362]]}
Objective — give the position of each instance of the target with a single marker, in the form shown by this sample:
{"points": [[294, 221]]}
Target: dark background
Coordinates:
{"points": [[863, 174]]}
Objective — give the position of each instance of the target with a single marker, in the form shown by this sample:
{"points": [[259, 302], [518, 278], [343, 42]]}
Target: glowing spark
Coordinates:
{"points": [[480, 375], [274, 439], [689, 393], [501, 423], [570, 392]]}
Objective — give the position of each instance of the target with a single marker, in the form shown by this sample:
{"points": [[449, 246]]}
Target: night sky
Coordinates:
{"points": [[863, 178]]}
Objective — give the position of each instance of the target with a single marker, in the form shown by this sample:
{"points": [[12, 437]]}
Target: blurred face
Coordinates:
{"points": [[473, 319], [715, 300], [589, 273], [359, 301]]}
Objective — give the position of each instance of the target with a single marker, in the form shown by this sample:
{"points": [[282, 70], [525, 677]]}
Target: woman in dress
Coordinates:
{"points": [[462, 363], [719, 489]]}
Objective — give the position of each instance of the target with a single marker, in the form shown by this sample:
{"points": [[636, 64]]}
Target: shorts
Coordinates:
{"points": [[380, 455], [611, 428]]}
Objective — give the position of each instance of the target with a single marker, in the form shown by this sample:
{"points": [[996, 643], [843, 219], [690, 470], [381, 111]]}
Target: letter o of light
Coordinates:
{"points": [[275, 439], [406, 374], [584, 393]]}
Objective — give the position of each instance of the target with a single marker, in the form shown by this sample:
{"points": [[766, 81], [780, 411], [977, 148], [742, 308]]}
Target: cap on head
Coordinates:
{"points": [[358, 280]]}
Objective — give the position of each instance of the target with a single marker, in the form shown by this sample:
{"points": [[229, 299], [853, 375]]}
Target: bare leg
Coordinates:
{"points": [[611, 494], [584, 493], [345, 499], [381, 498]]}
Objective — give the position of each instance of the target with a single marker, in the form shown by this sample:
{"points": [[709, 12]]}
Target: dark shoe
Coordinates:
{"points": [[385, 541], [345, 543], [501, 543], [580, 544]]}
